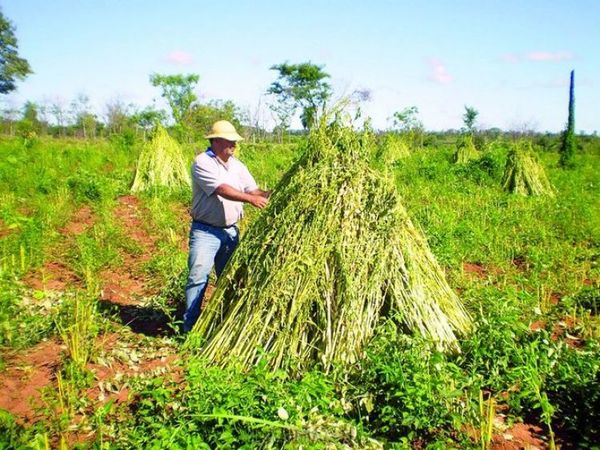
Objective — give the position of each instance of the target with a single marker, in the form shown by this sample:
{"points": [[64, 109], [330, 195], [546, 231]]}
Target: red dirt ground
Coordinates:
{"points": [[52, 276], [27, 374], [475, 269], [55, 276], [125, 287], [520, 436], [82, 220], [5, 230], [34, 369]]}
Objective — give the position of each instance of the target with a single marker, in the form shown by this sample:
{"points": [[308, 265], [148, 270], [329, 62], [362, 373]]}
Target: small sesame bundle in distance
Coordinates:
{"points": [[465, 150], [161, 164], [523, 174]]}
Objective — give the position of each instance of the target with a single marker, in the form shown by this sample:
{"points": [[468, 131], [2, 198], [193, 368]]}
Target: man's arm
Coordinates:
{"points": [[255, 198], [265, 194]]}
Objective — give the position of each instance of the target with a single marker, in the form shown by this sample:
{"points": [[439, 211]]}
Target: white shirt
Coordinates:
{"points": [[208, 173]]}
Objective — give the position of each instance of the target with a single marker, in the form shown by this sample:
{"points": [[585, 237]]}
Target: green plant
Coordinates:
{"points": [[405, 389], [77, 326], [300, 86], [486, 421], [229, 408]]}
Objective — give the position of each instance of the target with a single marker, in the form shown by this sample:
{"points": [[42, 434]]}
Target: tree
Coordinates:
{"points": [[567, 145], [407, 119], [178, 90], [202, 116], [148, 118], [300, 86], [10, 115], [469, 118], [12, 66], [30, 122], [57, 109], [82, 116], [117, 115], [408, 122]]}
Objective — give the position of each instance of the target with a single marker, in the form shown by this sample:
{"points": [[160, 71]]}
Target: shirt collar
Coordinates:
{"points": [[210, 153]]}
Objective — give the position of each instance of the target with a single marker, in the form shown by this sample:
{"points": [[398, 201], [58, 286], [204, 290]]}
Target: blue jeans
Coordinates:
{"points": [[209, 246]]}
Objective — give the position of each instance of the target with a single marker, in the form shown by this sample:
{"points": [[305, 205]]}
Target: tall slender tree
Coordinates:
{"points": [[567, 147]]}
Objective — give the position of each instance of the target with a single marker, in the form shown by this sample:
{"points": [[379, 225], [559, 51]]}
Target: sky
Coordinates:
{"points": [[508, 59]]}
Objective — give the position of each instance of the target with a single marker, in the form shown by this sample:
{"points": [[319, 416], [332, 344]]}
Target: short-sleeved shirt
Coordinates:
{"points": [[208, 173]]}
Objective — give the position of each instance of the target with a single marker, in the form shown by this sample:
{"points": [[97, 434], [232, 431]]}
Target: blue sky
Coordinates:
{"points": [[509, 59]]}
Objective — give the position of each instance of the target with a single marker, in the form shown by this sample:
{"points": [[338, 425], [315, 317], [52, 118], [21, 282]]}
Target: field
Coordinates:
{"points": [[91, 297]]}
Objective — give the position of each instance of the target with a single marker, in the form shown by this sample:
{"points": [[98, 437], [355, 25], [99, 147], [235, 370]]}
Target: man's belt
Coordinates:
{"points": [[211, 225]]}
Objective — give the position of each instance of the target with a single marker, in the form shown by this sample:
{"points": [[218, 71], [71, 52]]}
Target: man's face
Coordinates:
{"points": [[223, 148]]}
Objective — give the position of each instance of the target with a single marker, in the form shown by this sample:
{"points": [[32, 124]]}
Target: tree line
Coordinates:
{"points": [[300, 90]]}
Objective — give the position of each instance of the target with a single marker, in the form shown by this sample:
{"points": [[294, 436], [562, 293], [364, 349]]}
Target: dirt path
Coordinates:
{"points": [[118, 356]]}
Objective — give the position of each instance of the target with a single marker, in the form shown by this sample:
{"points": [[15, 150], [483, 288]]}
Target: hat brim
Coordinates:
{"points": [[233, 137]]}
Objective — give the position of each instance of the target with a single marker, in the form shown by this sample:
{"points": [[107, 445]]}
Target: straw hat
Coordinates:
{"points": [[224, 130]]}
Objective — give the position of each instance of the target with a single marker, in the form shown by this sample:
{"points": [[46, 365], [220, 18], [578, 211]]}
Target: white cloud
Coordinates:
{"points": [[439, 72], [550, 56], [510, 58], [180, 58]]}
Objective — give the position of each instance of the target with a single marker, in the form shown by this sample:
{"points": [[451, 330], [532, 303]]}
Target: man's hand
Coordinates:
{"points": [[256, 198], [258, 201]]}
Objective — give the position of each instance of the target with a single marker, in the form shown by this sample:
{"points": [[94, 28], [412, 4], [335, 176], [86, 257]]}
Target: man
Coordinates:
{"points": [[220, 185]]}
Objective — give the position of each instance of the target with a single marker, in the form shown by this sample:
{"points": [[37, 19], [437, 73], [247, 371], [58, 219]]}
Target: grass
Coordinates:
{"points": [[536, 261]]}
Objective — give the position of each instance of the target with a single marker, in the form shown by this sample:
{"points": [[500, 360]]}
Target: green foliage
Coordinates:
{"points": [[407, 389], [410, 126], [149, 118], [228, 408], [178, 90], [15, 436], [300, 86], [407, 119], [536, 361], [391, 148], [534, 372], [23, 321], [12, 66], [201, 117], [469, 118]]}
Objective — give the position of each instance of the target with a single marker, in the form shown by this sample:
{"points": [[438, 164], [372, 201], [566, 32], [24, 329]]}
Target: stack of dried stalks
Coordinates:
{"points": [[161, 164], [523, 174], [334, 255], [465, 150], [392, 148]]}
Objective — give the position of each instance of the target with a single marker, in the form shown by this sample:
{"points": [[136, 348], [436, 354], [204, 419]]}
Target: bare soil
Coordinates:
{"points": [[27, 374]]}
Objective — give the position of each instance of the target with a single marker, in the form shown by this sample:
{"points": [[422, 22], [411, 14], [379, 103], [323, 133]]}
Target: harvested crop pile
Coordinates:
{"points": [[334, 255], [392, 148], [523, 174], [161, 164], [465, 150]]}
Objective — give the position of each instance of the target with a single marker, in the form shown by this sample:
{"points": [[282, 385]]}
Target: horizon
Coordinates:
{"points": [[511, 62]]}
